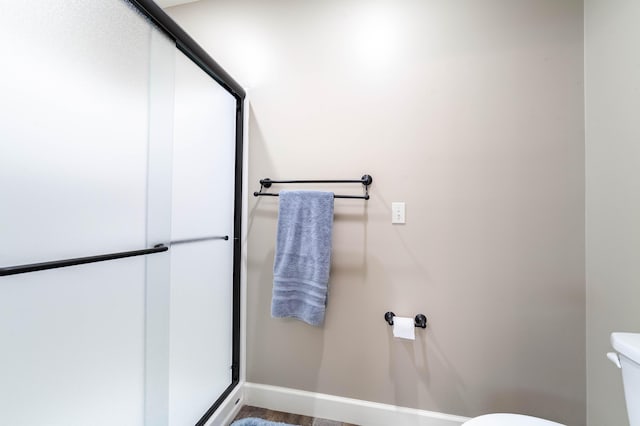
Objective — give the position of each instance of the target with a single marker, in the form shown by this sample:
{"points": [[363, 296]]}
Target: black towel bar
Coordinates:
{"points": [[365, 180]]}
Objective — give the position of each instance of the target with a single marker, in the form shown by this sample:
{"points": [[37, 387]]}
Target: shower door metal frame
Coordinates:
{"points": [[200, 57]]}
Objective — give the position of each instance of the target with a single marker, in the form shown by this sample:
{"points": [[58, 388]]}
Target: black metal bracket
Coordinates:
{"points": [[388, 317], [419, 321], [365, 180]]}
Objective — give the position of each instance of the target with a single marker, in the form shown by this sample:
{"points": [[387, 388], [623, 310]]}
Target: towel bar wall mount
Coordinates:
{"points": [[365, 180]]}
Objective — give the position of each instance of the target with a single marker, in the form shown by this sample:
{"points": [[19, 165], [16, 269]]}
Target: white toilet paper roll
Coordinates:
{"points": [[404, 328]]}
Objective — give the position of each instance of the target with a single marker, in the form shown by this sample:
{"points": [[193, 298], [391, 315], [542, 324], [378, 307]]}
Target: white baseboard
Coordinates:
{"points": [[226, 412], [347, 410]]}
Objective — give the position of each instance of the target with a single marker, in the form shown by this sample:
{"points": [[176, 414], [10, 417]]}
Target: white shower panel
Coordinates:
{"points": [[78, 99], [74, 129], [201, 272], [201, 332], [73, 345], [203, 154]]}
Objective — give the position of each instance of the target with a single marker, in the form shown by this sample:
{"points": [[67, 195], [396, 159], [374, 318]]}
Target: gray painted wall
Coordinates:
{"points": [[472, 113], [612, 113]]}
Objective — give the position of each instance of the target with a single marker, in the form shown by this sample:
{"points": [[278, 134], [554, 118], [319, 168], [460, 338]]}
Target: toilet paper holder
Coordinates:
{"points": [[419, 320]]}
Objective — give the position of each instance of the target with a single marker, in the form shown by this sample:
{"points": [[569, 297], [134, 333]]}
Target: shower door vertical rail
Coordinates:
{"points": [[159, 172]]}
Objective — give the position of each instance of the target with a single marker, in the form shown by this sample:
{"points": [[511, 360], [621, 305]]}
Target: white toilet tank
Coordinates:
{"points": [[628, 347]]}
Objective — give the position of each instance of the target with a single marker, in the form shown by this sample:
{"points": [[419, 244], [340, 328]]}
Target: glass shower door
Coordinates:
{"points": [[202, 234], [112, 140], [74, 162]]}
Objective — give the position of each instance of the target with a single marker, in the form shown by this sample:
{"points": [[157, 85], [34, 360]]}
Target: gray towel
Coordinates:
{"points": [[303, 256]]}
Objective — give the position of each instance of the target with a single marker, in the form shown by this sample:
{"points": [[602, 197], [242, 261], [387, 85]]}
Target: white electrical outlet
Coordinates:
{"points": [[397, 212]]}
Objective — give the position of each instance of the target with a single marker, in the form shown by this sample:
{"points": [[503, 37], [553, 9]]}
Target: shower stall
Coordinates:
{"points": [[120, 181]]}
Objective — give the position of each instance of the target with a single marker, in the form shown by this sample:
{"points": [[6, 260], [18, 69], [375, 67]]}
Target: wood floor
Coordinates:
{"points": [[279, 416]]}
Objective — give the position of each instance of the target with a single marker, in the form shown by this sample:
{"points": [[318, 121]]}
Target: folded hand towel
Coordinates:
{"points": [[303, 256]]}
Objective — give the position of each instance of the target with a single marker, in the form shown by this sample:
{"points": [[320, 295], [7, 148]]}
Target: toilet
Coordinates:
{"points": [[506, 419], [626, 357]]}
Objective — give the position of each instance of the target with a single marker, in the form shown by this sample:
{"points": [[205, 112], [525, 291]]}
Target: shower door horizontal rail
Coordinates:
{"points": [[189, 47], [33, 267]]}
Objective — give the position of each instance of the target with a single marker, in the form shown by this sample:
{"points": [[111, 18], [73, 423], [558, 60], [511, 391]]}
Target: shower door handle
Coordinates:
{"points": [[33, 267], [199, 239]]}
